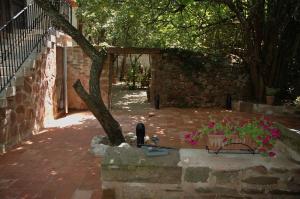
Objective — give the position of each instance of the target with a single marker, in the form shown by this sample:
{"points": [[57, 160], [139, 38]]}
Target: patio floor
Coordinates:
{"points": [[56, 163]]}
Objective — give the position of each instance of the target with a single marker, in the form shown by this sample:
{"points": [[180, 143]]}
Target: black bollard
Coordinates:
{"points": [[156, 101], [140, 134], [228, 102]]}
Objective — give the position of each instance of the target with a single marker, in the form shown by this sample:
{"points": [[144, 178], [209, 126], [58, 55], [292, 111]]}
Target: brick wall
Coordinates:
{"points": [[79, 65]]}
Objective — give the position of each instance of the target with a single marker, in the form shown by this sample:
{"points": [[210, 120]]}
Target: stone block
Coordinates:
{"points": [[2, 113], [11, 91], [108, 194], [3, 103], [132, 165], [196, 174], [258, 190], [278, 170], [217, 190], [261, 180], [225, 177], [284, 192], [257, 169]]}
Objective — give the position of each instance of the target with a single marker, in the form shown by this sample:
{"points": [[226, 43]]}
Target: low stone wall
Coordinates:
{"points": [[208, 86], [249, 107], [79, 65], [191, 173]]}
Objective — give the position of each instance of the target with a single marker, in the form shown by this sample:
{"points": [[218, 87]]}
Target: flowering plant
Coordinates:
{"points": [[261, 131]]}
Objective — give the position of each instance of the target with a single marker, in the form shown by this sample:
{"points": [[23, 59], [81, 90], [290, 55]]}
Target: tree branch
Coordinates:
{"points": [[61, 22]]}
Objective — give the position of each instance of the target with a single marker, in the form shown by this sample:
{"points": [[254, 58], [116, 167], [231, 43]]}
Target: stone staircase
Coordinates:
{"points": [[27, 70], [22, 102]]}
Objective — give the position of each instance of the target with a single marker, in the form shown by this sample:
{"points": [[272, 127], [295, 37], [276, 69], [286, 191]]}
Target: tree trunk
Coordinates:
{"points": [[92, 99]]}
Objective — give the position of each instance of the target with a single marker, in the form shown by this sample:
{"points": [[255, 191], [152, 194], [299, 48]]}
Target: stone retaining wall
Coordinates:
{"points": [[207, 87], [31, 100], [192, 174]]}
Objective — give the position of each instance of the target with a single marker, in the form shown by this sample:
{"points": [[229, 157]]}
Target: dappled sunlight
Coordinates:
{"points": [[128, 100], [69, 121], [18, 148], [53, 173], [28, 142]]}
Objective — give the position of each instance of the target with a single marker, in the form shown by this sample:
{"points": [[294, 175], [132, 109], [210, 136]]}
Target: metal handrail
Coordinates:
{"points": [[21, 35]]}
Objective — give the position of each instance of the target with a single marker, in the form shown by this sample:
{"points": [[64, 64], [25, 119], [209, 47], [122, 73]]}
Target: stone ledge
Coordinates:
{"points": [[193, 173], [250, 107], [135, 156]]}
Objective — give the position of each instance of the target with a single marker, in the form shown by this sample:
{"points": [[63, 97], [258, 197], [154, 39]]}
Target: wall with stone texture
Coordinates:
{"points": [[79, 65], [127, 173], [207, 87], [31, 100]]}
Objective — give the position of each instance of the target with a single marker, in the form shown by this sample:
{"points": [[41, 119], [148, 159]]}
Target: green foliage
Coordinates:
{"points": [[177, 24], [265, 34], [133, 73], [137, 75]]}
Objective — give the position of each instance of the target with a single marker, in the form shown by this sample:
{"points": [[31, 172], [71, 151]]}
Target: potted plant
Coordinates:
{"points": [[254, 136], [270, 95]]}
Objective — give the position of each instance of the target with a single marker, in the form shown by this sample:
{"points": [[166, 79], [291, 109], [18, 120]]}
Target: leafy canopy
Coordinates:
{"points": [[183, 24]]}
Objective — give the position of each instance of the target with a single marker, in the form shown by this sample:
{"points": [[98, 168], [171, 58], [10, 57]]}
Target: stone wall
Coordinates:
{"points": [[30, 99], [79, 68], [127, 173], [207, 87]]}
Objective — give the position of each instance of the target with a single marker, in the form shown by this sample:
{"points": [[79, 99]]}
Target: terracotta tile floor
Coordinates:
{"points": [[56, 163]]}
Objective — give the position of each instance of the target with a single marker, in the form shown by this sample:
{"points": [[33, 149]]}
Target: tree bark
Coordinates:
{"points": [[92, 99]]}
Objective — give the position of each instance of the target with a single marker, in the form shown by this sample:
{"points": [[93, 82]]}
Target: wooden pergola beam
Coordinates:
{"points": [[133, 50]]}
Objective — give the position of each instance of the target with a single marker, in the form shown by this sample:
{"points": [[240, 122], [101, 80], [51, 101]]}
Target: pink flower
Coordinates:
{"points": [[194, 133], [267, 139], [187, 136], [275, 133], [211, 124], [271, 154], [193, 142], [225, 140]]}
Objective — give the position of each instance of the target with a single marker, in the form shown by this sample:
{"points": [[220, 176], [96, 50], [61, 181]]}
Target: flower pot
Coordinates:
{"points": [[217, 143], [270, 100]]}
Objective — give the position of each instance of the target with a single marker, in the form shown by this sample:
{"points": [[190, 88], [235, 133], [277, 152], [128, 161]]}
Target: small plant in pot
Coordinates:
{"points": [[270, 95]]}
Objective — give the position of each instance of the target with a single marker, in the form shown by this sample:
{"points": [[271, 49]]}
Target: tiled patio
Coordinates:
{"points": [[56, 163]]}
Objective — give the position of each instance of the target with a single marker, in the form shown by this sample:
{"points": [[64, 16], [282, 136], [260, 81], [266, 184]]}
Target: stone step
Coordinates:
{"points": [[3, 102], [9, 91]]}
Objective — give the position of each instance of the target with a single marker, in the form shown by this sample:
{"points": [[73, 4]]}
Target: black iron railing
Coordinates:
{"points": [[23, 34]]}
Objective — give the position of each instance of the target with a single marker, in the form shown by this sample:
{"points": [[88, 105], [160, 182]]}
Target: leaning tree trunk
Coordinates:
{"points": [[92, 99]]}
